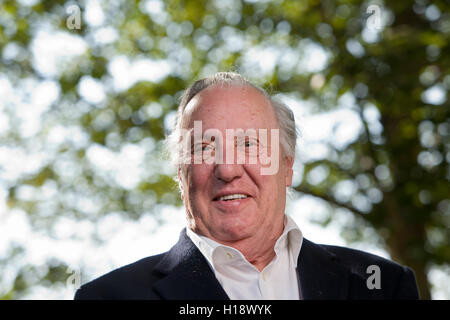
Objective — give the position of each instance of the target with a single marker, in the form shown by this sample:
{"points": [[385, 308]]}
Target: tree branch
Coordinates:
{"points": [[332, 201]]}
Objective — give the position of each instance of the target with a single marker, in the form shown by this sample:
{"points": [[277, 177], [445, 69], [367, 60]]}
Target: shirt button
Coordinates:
{"points": [[229, 255], [264, 275]]}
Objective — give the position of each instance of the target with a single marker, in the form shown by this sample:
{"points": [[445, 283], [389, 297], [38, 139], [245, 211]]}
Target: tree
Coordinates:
{"points": [[394, 70]]}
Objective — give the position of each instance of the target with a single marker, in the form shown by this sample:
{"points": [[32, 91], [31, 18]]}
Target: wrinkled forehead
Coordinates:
{"points": [[230, 107]]}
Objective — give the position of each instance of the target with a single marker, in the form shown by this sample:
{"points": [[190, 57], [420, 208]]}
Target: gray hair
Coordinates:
{"points": [[283, 114]]}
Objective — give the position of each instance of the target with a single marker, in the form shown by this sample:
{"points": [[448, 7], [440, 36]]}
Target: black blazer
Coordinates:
{"points": [[326, 272]]}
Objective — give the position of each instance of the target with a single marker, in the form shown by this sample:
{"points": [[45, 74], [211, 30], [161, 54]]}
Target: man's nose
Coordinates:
{"points": [[228, 167], [228, 172]]}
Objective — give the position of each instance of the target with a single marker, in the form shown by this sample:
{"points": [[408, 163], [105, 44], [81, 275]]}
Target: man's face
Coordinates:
{"points": [[205, 184]]}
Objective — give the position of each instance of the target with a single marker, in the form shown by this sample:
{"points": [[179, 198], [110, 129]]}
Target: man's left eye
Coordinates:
{"points": [[250, 143]]}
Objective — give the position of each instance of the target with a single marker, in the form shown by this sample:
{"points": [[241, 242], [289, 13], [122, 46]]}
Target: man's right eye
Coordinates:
{"points": [[202, 147], [207, 147]]}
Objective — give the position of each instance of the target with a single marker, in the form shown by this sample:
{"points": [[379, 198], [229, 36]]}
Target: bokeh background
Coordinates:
{"points": [[88, 91]]}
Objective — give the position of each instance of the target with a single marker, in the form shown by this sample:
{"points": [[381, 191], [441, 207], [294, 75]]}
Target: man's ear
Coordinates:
{"points": [[289, 170], [180, 183]]}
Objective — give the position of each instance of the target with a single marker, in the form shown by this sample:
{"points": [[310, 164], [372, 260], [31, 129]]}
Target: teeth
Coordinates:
{"points": [[233, 196]]}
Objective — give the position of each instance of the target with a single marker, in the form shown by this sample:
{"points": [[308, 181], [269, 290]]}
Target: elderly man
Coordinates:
{"points": [[234, 147]]}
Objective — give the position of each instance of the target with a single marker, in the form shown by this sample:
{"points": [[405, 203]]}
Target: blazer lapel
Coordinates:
{"points": [[322, 277], [186, 274]]}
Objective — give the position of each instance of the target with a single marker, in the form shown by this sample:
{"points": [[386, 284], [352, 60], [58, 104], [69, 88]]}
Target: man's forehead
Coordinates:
{"points": [[238, 102]]}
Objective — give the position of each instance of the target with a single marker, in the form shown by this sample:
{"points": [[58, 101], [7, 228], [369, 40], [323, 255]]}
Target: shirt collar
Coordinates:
{"points": [[204, 244], [291, 239]]}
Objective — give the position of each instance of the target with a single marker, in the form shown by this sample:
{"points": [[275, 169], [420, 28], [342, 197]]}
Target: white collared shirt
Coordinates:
{"points": [[241, 280]]}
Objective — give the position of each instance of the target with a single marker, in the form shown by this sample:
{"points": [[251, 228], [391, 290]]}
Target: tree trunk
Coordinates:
{"points": [[404, 236]]}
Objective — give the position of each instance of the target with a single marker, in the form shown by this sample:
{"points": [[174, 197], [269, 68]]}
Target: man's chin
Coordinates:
{"points": [[234, 233]]}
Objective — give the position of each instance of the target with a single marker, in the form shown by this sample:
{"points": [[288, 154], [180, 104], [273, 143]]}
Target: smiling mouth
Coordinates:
{"points": [[231, 197]]}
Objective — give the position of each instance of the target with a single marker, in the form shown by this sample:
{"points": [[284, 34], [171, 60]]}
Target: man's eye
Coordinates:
{"points": [[250, 143], [203, 147], [199, 148], [207, 147], [247, 143]]}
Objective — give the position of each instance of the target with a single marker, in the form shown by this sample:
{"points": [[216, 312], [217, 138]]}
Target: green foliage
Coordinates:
{"points": [[401, 171]]}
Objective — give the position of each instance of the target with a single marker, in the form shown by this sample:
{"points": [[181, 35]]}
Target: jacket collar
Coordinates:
{"points": [[322, 276], [186, 274]]}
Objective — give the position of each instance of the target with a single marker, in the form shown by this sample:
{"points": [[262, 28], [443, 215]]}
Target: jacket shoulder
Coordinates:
{"points": [[395, 281], [357, 260], [131, 281]]}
